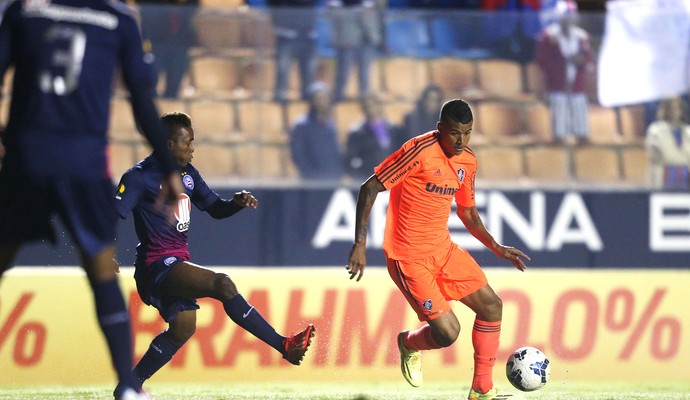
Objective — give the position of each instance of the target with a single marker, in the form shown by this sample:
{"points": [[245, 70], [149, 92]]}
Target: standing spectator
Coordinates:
{"points": [[294, 26], [65, 54], [357, 36], [167, 25], [371, 141], [314, 139], [565, 57], [668, 144], [424, 116]]}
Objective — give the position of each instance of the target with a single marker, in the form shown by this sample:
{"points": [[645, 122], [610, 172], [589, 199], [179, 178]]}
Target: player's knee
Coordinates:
{"points": [[493, 309], [224, 286]]}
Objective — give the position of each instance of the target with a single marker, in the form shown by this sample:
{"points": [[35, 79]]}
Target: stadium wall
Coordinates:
{"points": [[314, 227], [595, 325]]}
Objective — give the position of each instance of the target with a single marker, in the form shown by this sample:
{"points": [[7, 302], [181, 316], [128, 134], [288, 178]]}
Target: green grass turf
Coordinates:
{"points": [[355, 391]]}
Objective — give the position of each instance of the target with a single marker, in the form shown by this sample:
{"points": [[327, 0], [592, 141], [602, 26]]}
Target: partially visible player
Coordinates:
{"points": [[165, 277], [424, 176], [64, 54]]}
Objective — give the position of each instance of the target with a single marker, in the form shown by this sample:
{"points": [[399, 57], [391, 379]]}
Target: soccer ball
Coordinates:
{"points": [[528, 369]]}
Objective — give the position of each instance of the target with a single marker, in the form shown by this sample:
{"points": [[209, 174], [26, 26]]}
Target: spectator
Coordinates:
{"points": [[424, 116], [668, 145], [357, 35], [167, 26], [565, 57], [294, 26], [372, 140], [314, 139]]}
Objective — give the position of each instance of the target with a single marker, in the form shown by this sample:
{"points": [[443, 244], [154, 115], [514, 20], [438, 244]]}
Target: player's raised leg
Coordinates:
{"points": [[422, 293], [193, 281]]}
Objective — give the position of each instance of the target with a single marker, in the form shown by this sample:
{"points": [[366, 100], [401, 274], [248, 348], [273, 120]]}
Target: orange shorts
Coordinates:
{"points": [[428, 283]]}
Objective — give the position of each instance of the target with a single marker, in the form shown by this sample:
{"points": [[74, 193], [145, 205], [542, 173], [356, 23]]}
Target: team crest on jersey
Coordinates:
{"points": [[427, 304], [169, 261], [183, 212], [461, 174], [188, 182]]}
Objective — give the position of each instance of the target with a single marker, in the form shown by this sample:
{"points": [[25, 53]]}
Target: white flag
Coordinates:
{"points": [[645, 53]]}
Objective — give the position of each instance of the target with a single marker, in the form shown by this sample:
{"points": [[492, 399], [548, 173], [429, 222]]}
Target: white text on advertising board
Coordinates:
{"points": [[572, 223], [669, 222]]}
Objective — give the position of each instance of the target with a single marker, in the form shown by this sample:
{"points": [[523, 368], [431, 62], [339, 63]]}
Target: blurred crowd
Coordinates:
{"points": [[545, 34]]}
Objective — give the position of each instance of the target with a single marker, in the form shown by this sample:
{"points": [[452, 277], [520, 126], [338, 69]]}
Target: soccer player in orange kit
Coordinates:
{"points": [[424, 176]]}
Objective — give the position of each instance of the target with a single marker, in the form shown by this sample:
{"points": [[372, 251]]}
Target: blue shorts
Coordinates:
{"points": [[85, 206], [150, 280]]}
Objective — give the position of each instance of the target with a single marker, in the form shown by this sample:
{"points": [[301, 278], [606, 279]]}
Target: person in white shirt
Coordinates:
{"points": [[564, 56], [668, 146]]}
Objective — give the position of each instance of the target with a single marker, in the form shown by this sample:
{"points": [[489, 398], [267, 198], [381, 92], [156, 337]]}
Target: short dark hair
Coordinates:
{"points": [[175, 120], [456, 110]]}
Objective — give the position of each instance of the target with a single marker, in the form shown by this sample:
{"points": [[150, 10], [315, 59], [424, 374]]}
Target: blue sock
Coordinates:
{"points": [[114, 321], [160, 351], [251, 320]]}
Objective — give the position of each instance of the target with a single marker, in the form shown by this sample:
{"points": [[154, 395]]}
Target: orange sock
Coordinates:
{"points": [[421, 339], [485, 337]]}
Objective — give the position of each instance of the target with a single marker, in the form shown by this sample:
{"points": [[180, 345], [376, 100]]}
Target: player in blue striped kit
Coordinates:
{"points": [[165, 277], [65, 54]]}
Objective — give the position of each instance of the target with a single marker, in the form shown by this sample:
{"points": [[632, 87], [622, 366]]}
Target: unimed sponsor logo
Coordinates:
{"points": [[442, 190]]}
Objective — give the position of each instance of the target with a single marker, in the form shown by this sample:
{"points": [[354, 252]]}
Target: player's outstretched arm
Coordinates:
{"points": [[222, 208], [473, 222], [365, 200]]}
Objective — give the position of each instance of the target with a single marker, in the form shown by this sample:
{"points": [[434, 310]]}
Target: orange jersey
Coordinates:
{"points": [[423, 182]]}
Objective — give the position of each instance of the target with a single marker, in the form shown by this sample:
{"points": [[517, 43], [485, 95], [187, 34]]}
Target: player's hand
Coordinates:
{"points": [[357, 261], [171, 187], [245, 199], [513, 255]]}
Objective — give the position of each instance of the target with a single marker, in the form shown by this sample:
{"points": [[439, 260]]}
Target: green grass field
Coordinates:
{"points": [[355, 391]]}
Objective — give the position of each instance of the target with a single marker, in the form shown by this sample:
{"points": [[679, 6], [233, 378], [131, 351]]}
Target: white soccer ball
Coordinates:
{"points": [[528, 369]]}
